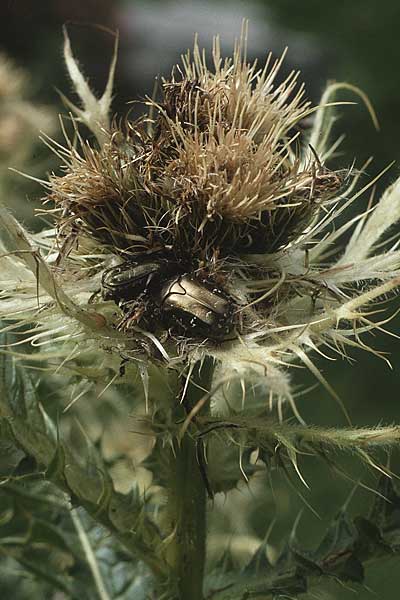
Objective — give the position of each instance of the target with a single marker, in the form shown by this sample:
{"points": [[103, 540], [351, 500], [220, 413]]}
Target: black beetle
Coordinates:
{"points": [[129, 280]]}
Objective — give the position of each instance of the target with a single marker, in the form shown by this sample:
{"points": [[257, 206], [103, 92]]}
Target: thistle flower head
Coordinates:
{"points": [[216, 167], [204, 227]]}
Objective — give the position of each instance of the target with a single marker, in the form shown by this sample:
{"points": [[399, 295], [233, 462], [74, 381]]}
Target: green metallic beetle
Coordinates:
{"points": [[158, 290]]}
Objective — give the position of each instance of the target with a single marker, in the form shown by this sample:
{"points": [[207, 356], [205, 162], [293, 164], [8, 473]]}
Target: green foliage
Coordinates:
{"points": [[45, 541], [348, 546], [58, 511], [58, 507]]}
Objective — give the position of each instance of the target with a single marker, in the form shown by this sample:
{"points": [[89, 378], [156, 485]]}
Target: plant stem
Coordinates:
{"points": [[186, 509]]}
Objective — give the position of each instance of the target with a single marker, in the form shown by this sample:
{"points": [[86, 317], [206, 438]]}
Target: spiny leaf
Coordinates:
{"points": [[386, 508], [259, 562], [56, 466], [341, 534], [81, 474], [347, 547], [41, 531]]}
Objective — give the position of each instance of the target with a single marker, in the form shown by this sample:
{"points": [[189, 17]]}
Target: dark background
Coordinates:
{"points": [[354, 41]]}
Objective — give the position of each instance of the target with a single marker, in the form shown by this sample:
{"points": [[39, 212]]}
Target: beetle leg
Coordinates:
{"points": [[93, 296]]}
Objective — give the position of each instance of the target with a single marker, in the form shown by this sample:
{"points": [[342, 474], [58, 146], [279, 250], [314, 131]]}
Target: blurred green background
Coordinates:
{"points": [[354, 41]]}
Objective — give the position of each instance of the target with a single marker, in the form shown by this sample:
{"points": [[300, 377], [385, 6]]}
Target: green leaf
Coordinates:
{"points": [[259, 562], [73, 471], [341, 535], [347, 547], [41, 538]]}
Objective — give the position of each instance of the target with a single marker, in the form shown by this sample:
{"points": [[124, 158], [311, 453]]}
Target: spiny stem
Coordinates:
{"points": [[186, 509], [259, 429]]}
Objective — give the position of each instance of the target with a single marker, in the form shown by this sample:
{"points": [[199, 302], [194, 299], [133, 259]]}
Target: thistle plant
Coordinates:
{"points": [[193, 256]]}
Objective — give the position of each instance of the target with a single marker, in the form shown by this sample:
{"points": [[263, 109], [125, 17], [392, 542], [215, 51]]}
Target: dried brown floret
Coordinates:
{"points": [[220, 171]]}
